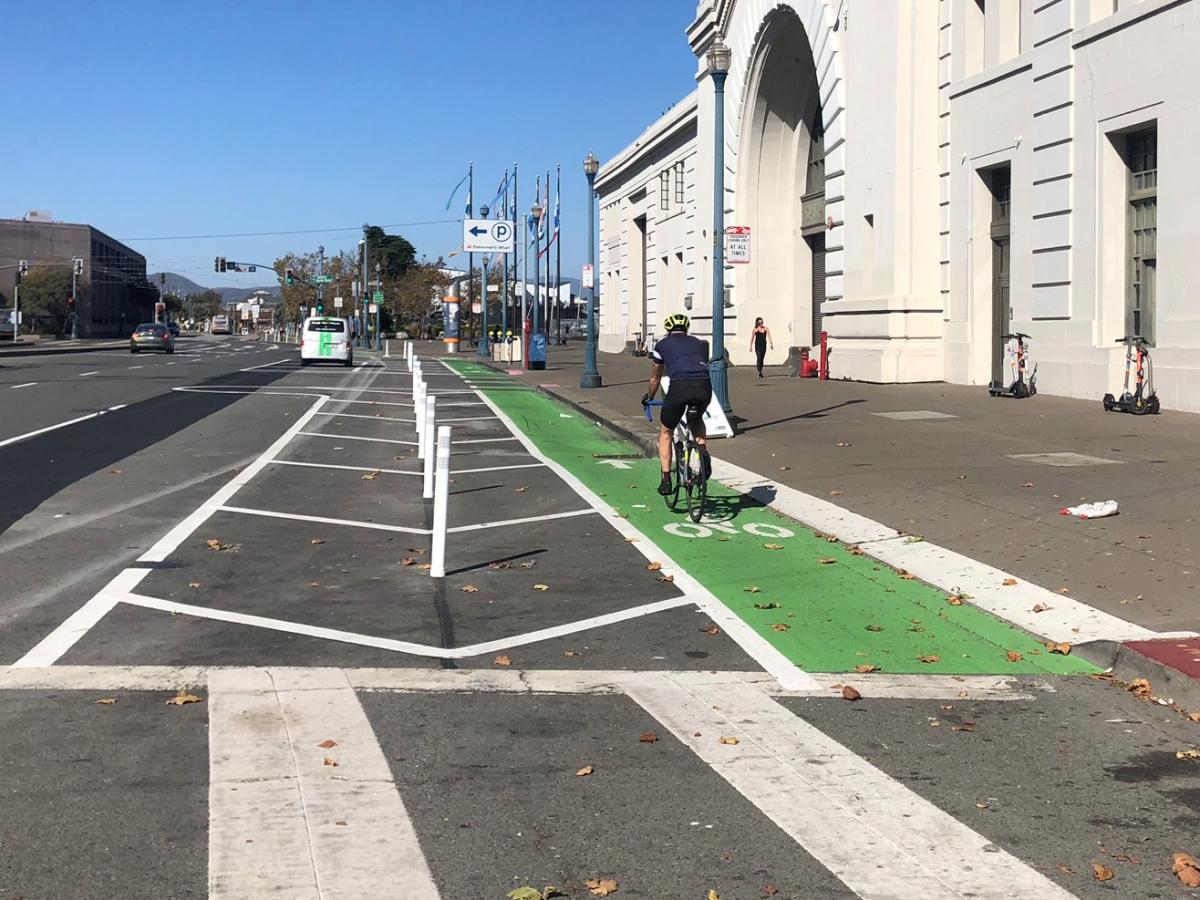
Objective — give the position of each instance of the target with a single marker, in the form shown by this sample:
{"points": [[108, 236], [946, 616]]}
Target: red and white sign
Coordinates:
{"points": [[589, 276], [737, 244], [373, 308]]}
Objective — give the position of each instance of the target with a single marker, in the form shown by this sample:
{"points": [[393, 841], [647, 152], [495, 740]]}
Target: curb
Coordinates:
{"points": [[1166, 680]]}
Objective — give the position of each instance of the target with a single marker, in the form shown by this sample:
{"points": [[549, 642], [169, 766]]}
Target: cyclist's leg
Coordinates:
{"points": [[672, 411]]}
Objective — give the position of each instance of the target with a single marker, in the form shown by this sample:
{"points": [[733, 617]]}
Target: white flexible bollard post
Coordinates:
{"points": [[419, 401], [441, 498], [408, 354], [387, 349], [427, 444]]}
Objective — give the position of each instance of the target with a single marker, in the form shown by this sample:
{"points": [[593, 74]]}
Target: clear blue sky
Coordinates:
{"points": [[159, 119]]}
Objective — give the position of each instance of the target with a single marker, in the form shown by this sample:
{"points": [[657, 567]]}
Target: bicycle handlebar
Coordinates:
{"points": [[646, 409]]}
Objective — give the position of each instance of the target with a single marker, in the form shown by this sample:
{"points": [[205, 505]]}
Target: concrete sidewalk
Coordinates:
{"points": [[982, 476], [41, 346]]}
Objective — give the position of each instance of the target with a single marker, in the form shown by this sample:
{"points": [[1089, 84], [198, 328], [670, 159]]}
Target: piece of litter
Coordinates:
{"points": [[1099, 509]]}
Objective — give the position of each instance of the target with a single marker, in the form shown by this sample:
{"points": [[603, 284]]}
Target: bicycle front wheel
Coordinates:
{"points": [[697, 484]]}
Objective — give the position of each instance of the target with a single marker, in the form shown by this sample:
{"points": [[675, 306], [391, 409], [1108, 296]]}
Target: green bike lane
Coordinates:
{"points": [[818, 602]]}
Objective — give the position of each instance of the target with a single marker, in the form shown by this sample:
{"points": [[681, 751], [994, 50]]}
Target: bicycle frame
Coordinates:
{"points": [[687, 469]]}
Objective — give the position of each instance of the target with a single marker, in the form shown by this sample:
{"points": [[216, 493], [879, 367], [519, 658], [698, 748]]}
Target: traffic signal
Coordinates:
{"points": [[320, 308], [219, 264], [289, 276]]}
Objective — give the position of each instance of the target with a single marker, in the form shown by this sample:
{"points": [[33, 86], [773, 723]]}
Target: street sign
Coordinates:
{"points": [[737, 244], [487, 236], [337, 302], [322, 279], [373, 308], [589, 276], [377, 297]]}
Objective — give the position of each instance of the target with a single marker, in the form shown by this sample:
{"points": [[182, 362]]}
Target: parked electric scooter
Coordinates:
{"points": [[1020, 388], [1143, 400]]}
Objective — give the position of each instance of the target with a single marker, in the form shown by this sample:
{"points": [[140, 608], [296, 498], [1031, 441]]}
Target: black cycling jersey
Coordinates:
{"points": [[684, 357]]}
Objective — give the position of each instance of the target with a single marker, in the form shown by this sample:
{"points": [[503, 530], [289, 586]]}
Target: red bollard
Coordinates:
{"points": [[526, 330], [824, 355]]}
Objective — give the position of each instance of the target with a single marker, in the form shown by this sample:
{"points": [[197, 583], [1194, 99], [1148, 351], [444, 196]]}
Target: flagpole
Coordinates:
{"points": [[504, 295], [558, 250], [546, 308], [471, 256]]}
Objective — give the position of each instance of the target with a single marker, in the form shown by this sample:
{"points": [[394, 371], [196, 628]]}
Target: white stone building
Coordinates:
{"points": [[921, 176]]}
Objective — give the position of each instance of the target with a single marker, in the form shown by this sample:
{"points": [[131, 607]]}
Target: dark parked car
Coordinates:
{"points": [[151, 336], [173, 328]]}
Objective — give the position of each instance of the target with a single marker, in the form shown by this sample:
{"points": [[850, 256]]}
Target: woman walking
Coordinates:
{"points": [[759, 338]]}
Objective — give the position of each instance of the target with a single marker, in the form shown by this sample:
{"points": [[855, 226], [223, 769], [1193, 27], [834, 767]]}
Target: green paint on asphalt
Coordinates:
{"points": [[821, 606]]}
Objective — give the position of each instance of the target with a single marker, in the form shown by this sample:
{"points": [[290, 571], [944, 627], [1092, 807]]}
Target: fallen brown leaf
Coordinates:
{"points": [[502, 661], [851, 694], [1066, 870], [214, 544], [370, 476], [522, 489], [648, 737], [773, 546], [831, 538], [929, 658], [934, 723], [731, 741], [963, 726], [1040, 607], [907, 576], [844, 444], [1009, 582], [585, 771], [1027, 484], [1194, 717], [105, 701], [1102, 872], [856, 551], [183, 697], [1064, 590], [710, 629], [712, 895], [1187, 754], [653, 566], [1014, 656], [770, 605], [827, 560], [874, 627], [1060, 647], [327, 744], [1140, 688], [541, 587], [753, 589], [602, 887], [954, 600], [317, 541], [866, 668], [193, 584], [469, 589], [836, 493], [769, 890], [668, 579], [330, 761], [1186, 869], [570, 653], [781, 626]]}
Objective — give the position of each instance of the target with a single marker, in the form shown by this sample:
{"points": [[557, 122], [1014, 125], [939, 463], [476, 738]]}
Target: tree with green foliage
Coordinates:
{"points": [[44, 297], [173, 304], [393, 252], [203, 305], [412, 297], [299, 297]]}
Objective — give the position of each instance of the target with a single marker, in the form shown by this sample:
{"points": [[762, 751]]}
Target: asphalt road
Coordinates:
{"points": [[586, 696]]}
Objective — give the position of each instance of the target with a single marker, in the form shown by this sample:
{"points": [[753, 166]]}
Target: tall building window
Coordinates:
{"points": [[664, 190], [679, 183], [1141, 156]]}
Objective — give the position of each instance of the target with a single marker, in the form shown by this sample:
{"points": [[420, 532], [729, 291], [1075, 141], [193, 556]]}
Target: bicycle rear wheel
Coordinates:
{"points": [[697, 484], [672, 499]]}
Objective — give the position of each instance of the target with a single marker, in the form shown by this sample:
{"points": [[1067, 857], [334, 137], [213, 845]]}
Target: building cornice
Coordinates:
{"points": [[677, 119]]}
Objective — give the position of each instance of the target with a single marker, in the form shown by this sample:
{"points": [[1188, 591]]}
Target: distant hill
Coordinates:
{"points": [[179, 284]]}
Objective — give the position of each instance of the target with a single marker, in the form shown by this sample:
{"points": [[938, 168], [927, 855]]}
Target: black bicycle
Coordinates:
{"points": [[688, 475]]}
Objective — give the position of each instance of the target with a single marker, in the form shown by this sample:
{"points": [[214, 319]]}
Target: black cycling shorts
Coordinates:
{"points": [[681, 393]]}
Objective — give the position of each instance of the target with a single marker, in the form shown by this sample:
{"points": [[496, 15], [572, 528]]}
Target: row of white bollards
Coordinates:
{"points": [[433, 449]]}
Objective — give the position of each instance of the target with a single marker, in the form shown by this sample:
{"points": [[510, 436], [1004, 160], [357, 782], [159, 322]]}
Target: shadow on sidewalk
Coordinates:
{"points": [[813, 414]]}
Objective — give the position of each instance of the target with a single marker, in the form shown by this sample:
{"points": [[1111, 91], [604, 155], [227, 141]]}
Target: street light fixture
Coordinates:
{"points": [[719, 57], [591, 374]]}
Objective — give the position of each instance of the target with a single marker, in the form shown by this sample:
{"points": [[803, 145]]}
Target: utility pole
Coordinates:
{"points": [[22, 271], [471, 256], [362, 319], [379, 285], [558, 252], [321, 286], [76, 271]]}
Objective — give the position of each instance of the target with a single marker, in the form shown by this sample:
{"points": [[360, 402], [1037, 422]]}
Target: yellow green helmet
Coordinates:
{"points": [[677, 322]]}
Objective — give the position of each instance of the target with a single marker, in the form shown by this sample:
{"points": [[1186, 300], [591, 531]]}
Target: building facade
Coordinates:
{"points": [[113, 294], [920, 177]]}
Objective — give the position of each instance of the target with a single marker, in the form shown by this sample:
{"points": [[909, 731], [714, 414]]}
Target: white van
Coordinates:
{"points": [[326, 339]]}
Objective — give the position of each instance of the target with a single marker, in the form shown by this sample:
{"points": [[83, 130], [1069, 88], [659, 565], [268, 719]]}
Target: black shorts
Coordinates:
{"points": [[697, 393]]}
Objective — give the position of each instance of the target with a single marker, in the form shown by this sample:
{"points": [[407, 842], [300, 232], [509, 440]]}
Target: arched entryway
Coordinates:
{"points": [[781, 184]]}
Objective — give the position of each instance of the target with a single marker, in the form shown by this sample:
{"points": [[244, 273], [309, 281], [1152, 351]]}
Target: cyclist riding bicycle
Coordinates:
{"points": [[684, 359]]}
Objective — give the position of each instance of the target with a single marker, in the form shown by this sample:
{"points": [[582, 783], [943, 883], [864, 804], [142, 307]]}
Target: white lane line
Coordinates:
{"points": [[833, 803], [274, 362], [325, 520], [310, 465], [458, 529], [99, 678], [17, 387], [136, 367], [1064, 619], [328, 634], [342, 415], [467, 419], [86, 374], [167, 544], [52, 647], [557, 631], [318, 831], [49, 428], [755, 645], [536, 465], [487, 440], [348, 437]]}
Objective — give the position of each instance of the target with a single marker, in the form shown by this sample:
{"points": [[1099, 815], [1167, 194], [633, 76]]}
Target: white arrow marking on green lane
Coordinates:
{"points": [[615, 463]]}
